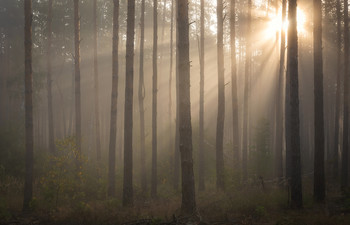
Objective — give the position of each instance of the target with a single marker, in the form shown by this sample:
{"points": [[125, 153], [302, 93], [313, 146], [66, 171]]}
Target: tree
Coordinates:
{"points": [[221, 100], [235, 125], [319, 176], [114, 102], [337, 100], [279, 103], [201, 167], [128, 119], [77, 74], [292, 69], [246, 91], [344, 166], [141, 93], [28, 85], [154, 101], [49, 79], [170, 81], [97, 114], [188, 206]]}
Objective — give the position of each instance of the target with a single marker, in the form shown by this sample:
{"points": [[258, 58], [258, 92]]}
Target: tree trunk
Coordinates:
{"points": [[319, 175], [171, 144], [188, 206], [221, 100], [296, 186], [177, 137], [201, 167], [28, 185], [49, 79], [279, 103], [128, 115], [344, 167], [246, 91], [77, 74], [154, 101], [141, 99], [114, 102], [335, 158], [234, 89], [97, 114]]}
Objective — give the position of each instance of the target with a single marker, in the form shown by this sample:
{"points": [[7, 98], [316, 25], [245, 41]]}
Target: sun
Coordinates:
{"points": [[275, 23]]}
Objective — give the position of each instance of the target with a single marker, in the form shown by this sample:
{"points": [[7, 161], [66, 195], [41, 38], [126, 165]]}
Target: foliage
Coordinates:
{"points": [[261, 157], [64, 177]]}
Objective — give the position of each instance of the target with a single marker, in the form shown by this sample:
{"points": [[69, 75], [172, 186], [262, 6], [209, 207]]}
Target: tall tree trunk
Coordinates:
{"points": [[97, 114], [77, 74], [335, 157], [201, 167], [234, 88], [188, 206], [344, 166], [246, 91], [171, 144], [177, 136], [141, 99], [28, 185], [128, 115], [49, 79], [154, 101], [114, 102], [319, 175], [292, 69], [221, 100], [279, 103]]}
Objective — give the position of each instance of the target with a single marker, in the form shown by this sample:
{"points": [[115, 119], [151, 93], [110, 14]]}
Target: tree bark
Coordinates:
{"points": [[344, 167], [292, 69], [319, 174], [97, 112], [77, 74], [114, 102], [335, 157], [234, 88], [154, 101], [221, 100], [141, 93], [28, 184], [246, 91], [128, 115], [188, 206], [49, 79], [201, 167]]}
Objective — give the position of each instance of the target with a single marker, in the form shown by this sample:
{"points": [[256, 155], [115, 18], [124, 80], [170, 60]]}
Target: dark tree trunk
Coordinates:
{"points": [[221, 100], [319, 175], [292, 69], [97, 114], [77, 74], [188, 206], [114, 102], [128, 115], [49, 79], [279, 103], [235, 124], [201, 166], [28, 184], [344, 166], [154, 101], [246, 91], [141, 99], [335, 158]]}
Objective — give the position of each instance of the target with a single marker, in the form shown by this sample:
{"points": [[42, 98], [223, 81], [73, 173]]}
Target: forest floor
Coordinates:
{"points": [[249, 205]]}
